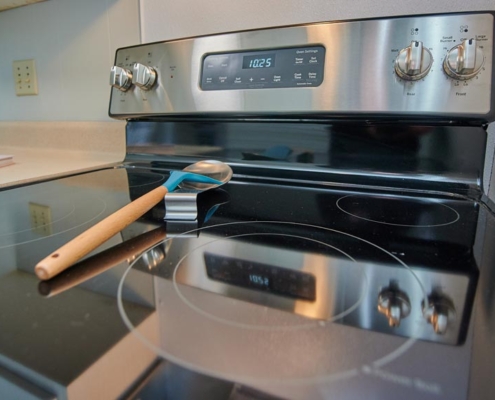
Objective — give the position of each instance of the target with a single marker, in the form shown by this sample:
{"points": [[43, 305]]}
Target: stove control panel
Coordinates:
{"points": [[426, 67]]}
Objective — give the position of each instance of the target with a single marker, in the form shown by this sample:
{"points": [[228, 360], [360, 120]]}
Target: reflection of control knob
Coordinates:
{"points": [[439, 312], [464, 61], [413, 62], [143, 76], [154, 256], [120, 78], [394, 304]]}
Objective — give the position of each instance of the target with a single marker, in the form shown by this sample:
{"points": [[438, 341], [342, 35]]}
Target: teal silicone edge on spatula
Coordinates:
{"points": [[176, 177]]}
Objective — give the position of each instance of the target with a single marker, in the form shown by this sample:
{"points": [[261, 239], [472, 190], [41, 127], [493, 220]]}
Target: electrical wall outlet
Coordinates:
{"points": [[26, 82], [41, 219]]}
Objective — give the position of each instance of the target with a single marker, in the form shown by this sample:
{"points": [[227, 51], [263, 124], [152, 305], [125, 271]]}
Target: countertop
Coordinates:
{"points": [[45, 150]]}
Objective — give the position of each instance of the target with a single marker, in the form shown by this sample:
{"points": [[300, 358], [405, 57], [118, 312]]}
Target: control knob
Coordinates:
{"points": [[413, 62], [464, 61], [120, 78], [439, 312], [143, 76], [394, 304]]}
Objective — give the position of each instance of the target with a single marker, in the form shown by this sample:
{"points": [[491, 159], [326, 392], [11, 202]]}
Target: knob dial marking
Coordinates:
{"points": [[120, 78], [413, 62], [144, 77], [464, 61]]}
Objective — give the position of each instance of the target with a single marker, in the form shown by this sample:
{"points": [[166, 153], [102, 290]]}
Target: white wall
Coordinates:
{"points": [[73, 43], [170, 19]]}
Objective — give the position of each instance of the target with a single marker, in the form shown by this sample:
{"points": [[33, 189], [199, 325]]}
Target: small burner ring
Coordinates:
{"points": [[411, 213]]}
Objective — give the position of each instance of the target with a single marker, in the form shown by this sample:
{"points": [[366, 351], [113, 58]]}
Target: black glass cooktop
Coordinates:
{"points": [[274, 291]]}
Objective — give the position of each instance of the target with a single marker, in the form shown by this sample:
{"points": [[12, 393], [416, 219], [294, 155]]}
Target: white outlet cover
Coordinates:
{"points": [[25, 79]]}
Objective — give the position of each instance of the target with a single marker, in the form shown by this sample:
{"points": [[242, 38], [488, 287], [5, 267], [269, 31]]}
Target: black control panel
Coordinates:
{"points": [[267, 278], [266, 69]]}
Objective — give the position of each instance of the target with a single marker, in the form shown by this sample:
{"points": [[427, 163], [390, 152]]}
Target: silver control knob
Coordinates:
{"points": [[394, 304], [143, 76], [120, 78], [464, 61], [413, 62], [439, 312]]}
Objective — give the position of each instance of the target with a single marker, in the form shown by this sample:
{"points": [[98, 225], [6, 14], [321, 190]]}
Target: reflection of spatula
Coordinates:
{"points": [[101, 262], [200, 175]]}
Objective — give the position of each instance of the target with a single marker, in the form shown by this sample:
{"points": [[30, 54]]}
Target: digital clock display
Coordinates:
{"points": [[258, 61]]}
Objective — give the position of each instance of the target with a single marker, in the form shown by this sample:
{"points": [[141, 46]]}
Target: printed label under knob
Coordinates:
{"points": [[143, 77], [413, 62], [464, 61], [120, 78]]}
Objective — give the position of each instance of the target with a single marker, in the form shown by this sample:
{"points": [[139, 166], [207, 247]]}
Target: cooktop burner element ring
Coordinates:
{"points": [[160, 178], [313, 324], [388, 211], [363, 368]]}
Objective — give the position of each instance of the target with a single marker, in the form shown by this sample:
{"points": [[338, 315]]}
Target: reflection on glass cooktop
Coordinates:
{"points": [[289, 290]]}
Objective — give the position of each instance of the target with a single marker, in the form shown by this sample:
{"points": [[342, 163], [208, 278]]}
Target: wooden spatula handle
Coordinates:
{"points": [[90, 239]]}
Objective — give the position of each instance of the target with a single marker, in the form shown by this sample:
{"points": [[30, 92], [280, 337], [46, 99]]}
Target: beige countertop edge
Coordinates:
{"points": [[49, 149], [31, 165]]}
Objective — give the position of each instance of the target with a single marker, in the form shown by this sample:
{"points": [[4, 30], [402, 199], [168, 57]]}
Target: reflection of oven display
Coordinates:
{"points": [[267, 278]]}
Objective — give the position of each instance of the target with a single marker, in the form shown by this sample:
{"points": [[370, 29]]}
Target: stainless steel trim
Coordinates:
{"points": [[359, 74]]}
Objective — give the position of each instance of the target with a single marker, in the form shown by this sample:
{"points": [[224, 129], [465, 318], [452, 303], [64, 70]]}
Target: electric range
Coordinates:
{"points": [[350, 256]]}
